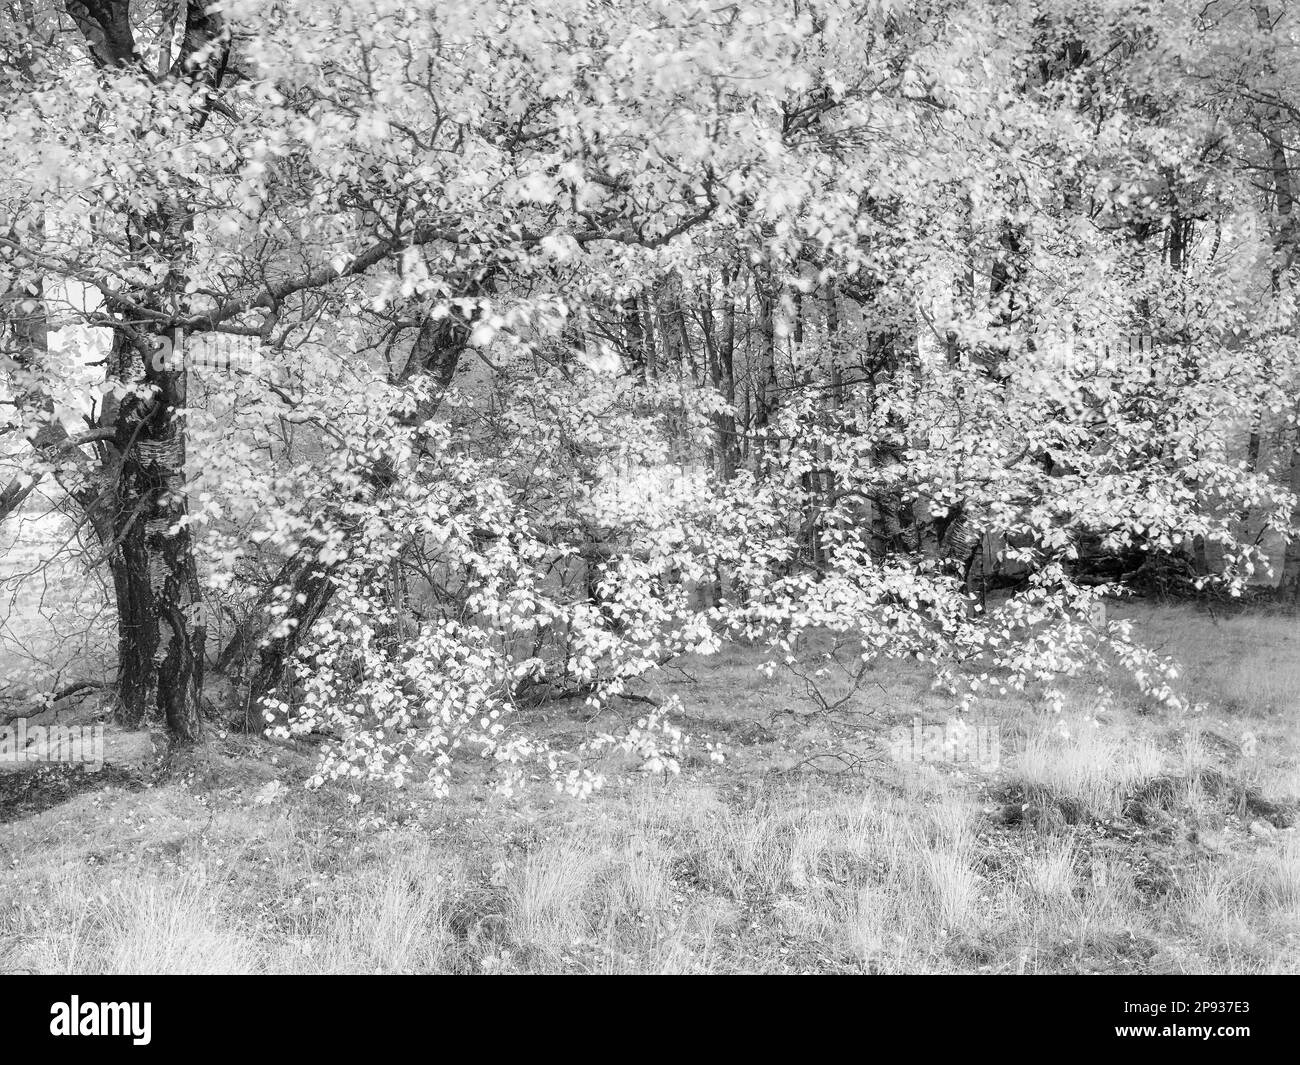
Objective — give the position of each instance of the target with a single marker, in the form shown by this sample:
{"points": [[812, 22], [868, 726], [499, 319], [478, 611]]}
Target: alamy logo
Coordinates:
{"points": [[169, 354], [21, 742], [956, 740], [102, 1018]]}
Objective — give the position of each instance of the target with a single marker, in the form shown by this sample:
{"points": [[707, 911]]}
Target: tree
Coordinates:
{"points": [[351, 283]]}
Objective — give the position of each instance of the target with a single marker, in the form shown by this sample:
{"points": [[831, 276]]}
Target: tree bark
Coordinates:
{"points": [[1285, 247], [161, 631], [725, 423]]}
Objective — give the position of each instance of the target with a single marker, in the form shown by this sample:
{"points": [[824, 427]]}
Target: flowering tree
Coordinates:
{"points": [[403, 362]]}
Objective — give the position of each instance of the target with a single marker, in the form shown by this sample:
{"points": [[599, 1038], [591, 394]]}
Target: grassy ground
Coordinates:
{"points": [[1118, 839]]}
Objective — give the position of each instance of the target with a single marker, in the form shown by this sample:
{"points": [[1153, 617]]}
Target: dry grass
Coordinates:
{"points": [[1080, 768], [146, 924]]}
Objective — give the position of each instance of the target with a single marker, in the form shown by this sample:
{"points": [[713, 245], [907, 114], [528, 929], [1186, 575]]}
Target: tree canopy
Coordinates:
{"points": [[376, 368]]}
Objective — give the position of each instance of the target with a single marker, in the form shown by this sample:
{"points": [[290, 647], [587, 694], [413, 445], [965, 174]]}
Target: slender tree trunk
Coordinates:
{"points": [[1286, 244], [963, 289], [765, 381], [635, 334], [725, 425], [833, 404], [651, 355], [1288, 586]]}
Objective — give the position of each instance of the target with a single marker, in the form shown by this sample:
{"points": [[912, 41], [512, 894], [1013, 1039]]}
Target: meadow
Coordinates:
{"points": [[1112, 837]]}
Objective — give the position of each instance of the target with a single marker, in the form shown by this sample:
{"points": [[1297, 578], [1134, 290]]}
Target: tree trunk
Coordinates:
{"points": [[765, 381], [635, 336], [161, 633], [1288, 585], [1286, 244], [725, 423]]}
